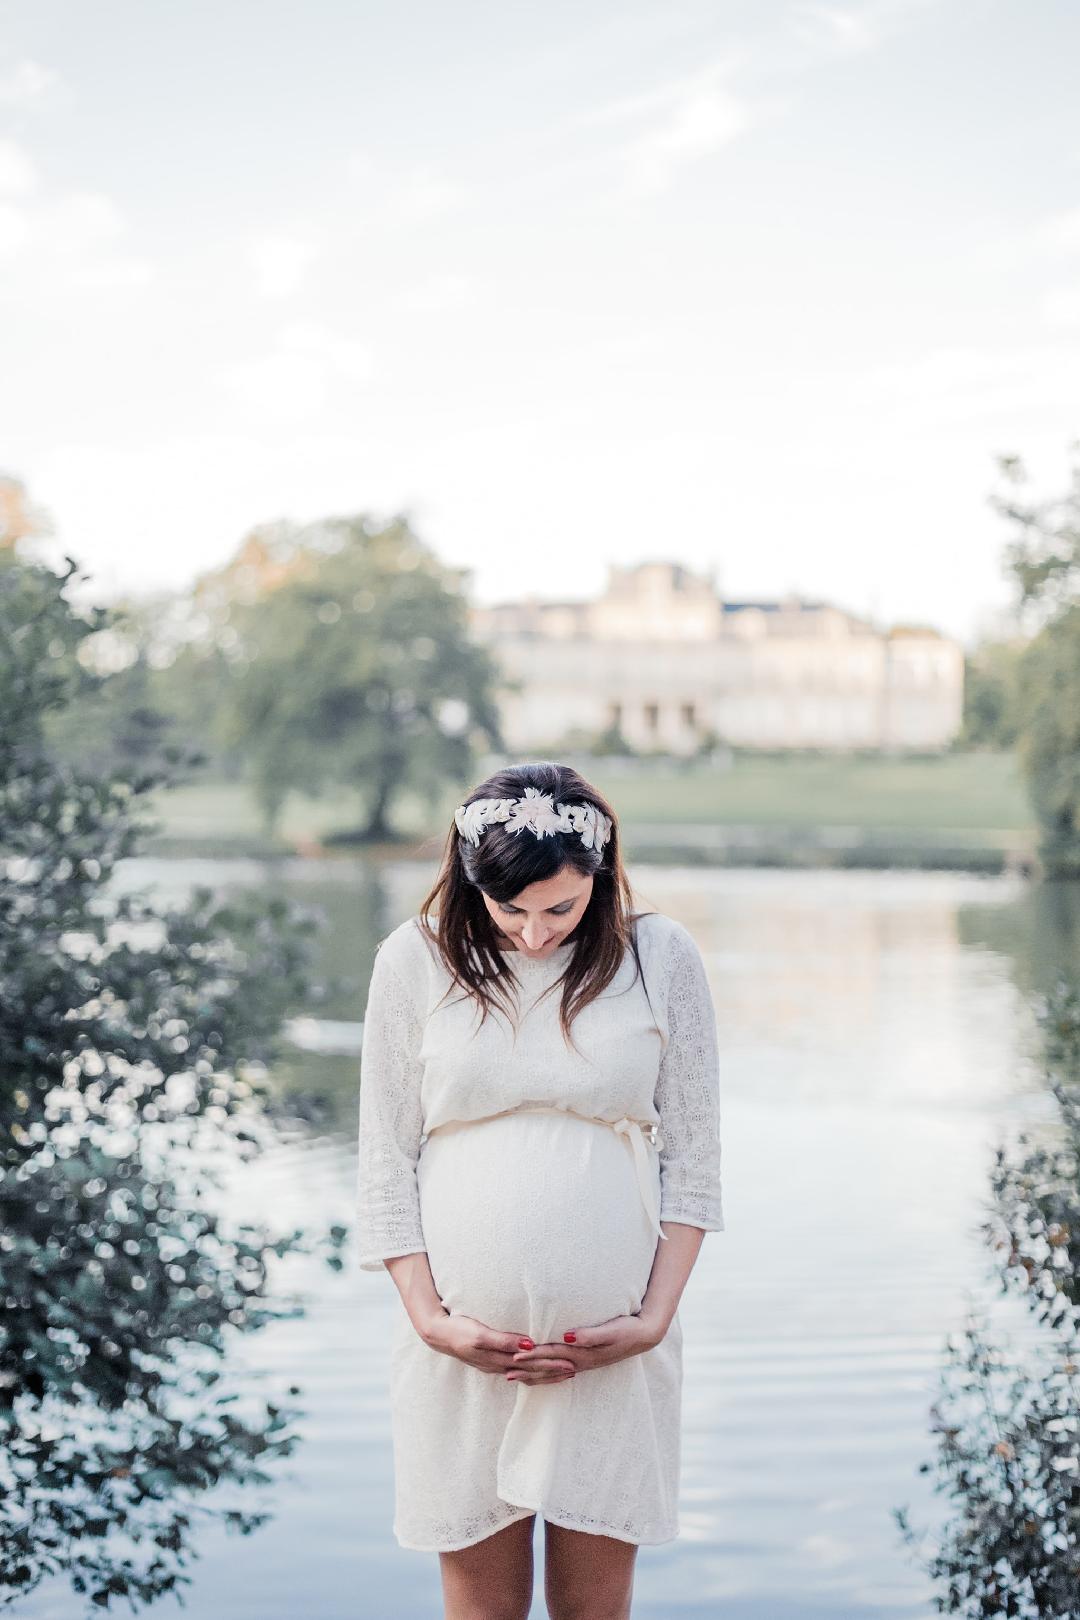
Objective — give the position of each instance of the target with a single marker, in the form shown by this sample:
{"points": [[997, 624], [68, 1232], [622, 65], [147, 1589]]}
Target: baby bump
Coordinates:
{"points": [[535, 1223]]}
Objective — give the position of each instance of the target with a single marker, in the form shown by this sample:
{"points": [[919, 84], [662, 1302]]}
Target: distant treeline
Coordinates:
{"points": [[336, 656]]}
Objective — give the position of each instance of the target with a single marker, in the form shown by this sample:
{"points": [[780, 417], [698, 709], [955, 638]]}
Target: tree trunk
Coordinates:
{"points": [[378, 828]]}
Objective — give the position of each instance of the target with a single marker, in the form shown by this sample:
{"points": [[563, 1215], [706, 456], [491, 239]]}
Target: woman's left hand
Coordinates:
{"points": [[597, 1346]]}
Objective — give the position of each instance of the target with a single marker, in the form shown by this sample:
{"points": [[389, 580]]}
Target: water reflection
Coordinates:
{"points": [[876, 1044]]}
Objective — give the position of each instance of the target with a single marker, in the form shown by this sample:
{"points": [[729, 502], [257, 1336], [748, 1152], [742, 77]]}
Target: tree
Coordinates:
{"points": [[117, 717], [1044, 560], [354, 669], [130, 1040], [991, 678], [20, 520]]}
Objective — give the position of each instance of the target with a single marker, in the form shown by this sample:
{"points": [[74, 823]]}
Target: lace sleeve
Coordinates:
{"points": [[388, 1205], [687, 1094]]}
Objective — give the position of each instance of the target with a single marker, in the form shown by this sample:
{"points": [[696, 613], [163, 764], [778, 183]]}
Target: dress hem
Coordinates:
{"points": [[563, 1521]]}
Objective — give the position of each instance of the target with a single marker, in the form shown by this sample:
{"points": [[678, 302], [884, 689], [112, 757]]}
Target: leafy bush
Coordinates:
{"points": [[131, 1041], [1009, 1448]]}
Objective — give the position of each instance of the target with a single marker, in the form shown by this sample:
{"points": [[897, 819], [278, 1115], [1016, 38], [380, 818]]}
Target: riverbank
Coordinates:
{"points": [[961, 812]]}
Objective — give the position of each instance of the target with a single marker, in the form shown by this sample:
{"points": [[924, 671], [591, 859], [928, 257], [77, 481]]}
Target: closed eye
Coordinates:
{"points": [[556, 911]]}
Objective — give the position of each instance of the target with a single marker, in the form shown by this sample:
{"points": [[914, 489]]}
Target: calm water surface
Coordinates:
{"points": [[876, 1044]]}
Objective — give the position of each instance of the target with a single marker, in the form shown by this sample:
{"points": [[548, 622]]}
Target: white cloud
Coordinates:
{"points": [[413, 196], [699, 124], [280, 263], [678, 123], [84, 217], [17, 176], [111, 274], [427, 193], [1061, 306], [966, 386], [853, 29], [842, 27], [294, 380], [82, 238], [1051, 242], [692, 118], [100, 493], [1062, 230], [828, 1552], [105, 498], [14, 231], [436, 295], [630, 348], [71, 240], [27, 81]]}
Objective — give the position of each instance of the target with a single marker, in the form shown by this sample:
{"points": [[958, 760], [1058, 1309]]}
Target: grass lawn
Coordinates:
{"points": [[962, 791], [975, 797]]}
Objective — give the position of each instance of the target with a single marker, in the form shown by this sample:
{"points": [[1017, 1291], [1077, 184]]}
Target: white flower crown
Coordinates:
{"points": [[537, 811]]}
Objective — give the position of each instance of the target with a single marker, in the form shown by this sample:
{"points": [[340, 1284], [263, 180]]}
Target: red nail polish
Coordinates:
{"points": [[526, 1344], [571, 1338]]}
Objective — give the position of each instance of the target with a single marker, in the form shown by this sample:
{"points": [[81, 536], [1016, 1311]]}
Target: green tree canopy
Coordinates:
{"points": [[991, 677], [1044, 555], [356, 670], [131, 1041], [1044, 561]]}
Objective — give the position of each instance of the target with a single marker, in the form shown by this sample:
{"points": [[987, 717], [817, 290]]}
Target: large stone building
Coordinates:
{"points": [[665, 660]]}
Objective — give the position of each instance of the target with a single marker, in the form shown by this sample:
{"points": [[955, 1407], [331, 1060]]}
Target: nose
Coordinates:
{"points": [[533, 937]]}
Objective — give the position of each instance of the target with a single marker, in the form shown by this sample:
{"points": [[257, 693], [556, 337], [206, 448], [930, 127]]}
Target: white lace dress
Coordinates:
{"points": [[535, 1223]]}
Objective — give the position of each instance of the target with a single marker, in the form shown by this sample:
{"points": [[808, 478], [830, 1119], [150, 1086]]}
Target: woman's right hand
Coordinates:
{"points": [[464, 1337], [491, 1351]]}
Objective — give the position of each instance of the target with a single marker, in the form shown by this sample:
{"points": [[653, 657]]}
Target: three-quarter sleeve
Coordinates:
{"points": [[391, 1121], [688, 1093]]}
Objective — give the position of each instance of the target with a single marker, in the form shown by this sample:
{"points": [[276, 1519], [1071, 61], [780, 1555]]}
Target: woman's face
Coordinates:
{"points": [[538, 919]]}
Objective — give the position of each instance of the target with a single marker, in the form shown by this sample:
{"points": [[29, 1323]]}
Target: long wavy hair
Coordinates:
{"points": [[503, 864]]}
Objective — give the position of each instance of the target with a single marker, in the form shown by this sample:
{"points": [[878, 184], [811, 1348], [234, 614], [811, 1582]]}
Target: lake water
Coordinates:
{"points": [[876, 1043]]}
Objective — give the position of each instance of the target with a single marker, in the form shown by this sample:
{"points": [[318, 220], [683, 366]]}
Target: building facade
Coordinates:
{"points": [[663, 659]]}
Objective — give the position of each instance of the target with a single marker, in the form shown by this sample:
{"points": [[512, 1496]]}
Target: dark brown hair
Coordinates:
{"points": [[501, 866]]}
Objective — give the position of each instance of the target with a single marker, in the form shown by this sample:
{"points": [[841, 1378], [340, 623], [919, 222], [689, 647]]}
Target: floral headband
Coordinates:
{"points": [[537, 811]]}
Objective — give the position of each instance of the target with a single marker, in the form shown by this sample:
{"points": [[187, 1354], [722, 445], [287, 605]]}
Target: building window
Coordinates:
{"points": [[652, 715], [688, 714], [614, 714]]}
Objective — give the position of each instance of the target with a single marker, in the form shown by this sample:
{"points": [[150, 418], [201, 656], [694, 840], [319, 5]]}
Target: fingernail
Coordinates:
{"points": [[511, 1378], [571, 1338], [526, 1344]]}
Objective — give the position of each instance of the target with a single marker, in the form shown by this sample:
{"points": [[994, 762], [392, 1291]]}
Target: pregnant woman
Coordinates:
{"points": [[539, 1162]]}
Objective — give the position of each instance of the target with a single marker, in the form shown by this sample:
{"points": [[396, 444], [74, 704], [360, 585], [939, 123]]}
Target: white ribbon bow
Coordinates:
{"points": [[632, 1131]]}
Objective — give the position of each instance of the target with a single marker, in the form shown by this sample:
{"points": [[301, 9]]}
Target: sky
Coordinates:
{"points": [[764, 288]]}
